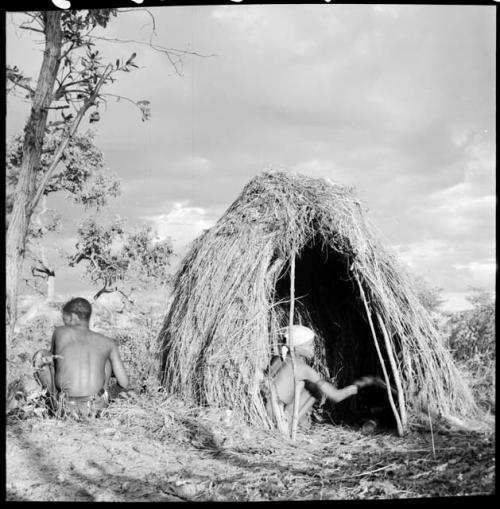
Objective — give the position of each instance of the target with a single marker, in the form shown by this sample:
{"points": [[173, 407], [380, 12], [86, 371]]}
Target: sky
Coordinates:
{"points": [[397, 101]]}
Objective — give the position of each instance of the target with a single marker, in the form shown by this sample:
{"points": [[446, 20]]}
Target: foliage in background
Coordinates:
{"points": [[136, 333], [429, 296], [121, 260], [22, 393], [472, 332], [81, 177], [471, 338], [68, 86]]}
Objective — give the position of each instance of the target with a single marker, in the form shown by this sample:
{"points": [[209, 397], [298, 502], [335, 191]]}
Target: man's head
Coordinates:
{"points": [[302, 340], [77, 311]]}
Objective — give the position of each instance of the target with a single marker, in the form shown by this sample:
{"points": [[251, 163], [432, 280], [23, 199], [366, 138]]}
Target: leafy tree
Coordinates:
{"points": [[472, 332], [69, 85], [81, 176], [66, 80], [121, 261]]}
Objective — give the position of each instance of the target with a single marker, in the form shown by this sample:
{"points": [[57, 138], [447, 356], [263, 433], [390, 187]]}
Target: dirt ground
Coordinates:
{"points": [[149, 451]]}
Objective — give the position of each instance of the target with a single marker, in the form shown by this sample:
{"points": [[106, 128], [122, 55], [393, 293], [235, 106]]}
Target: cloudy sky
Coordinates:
{"points": [[395, 100]]}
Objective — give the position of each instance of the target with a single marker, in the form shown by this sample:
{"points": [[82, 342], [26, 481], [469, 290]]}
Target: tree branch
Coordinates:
{"points": [[32, 29], [45, 272], [153, 21], [21, 85], [104, 289], [169, 52]]}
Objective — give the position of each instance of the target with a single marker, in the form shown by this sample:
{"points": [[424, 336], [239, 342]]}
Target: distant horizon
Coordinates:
{"points": [[452, 302]]}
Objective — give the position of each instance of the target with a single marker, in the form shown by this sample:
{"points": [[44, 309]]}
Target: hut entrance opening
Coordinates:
{"points": [[327, 300]]}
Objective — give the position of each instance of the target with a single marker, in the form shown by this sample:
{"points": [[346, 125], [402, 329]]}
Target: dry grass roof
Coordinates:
{"points": [[231, 299]]}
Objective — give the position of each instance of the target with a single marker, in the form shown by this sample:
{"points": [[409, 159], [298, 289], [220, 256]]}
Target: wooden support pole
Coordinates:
{"points": [[395, 371], [296, 386], [381, 359]]}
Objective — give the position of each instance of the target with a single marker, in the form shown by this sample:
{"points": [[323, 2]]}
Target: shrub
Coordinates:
{"points": [[471, 338]]}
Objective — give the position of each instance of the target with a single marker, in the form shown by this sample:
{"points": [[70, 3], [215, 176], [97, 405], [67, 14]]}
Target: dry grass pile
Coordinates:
{"points": [[166, 418], [231, 299]]}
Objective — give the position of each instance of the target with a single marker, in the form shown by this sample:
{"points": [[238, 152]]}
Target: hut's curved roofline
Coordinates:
{"points": [[230, 301]]}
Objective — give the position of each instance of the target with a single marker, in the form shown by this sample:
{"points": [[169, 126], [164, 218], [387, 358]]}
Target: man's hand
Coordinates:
{"points": [[372, 381], [43, 358], [367, 381]]}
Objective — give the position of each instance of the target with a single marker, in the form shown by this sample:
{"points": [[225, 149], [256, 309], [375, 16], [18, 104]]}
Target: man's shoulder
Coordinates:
{"points": [[62, 330], [307, 372], [103, 338]]}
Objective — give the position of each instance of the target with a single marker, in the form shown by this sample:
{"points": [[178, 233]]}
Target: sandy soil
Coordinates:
{"points": [[150, 459]]}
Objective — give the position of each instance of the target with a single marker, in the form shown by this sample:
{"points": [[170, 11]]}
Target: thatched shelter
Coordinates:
{"points": [[232, 294]]}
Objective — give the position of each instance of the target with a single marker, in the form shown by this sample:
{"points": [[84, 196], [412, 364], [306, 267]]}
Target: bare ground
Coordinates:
{"points": [[155, 450]]}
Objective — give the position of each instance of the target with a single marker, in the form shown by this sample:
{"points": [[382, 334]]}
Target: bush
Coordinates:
{"points": [[22, 391], [136, 332], [471, 338]]}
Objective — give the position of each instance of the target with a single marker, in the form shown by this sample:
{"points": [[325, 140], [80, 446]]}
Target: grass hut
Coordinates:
{"points": [[232, 295]]}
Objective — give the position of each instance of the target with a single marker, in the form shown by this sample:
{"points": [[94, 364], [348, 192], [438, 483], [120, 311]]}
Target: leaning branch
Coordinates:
{"points": [[21, 85], [381, 359], [174, 55], [395, 371], [153, 21], [62, 146], [296, 382]]}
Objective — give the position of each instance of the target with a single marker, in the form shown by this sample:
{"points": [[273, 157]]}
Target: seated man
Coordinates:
{"points": [[311, 385], [84, 362]]}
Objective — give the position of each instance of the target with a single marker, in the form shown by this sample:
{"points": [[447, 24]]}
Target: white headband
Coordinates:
{"points": [[300, 335]]}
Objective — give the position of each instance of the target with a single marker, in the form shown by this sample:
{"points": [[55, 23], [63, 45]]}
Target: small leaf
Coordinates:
{"points": [[131, 58], [94, 117]]}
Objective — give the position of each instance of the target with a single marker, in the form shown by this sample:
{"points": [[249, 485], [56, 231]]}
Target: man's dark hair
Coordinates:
{"points": [[81, 307]]}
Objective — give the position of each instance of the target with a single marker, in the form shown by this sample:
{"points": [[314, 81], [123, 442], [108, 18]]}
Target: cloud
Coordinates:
{"points": [[480, 273], [389, 10], [465, 209], [183, 223], [421, 254]]}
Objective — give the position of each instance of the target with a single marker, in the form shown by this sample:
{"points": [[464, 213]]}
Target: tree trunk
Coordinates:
{"points": [[34, 133], [51, 286]]}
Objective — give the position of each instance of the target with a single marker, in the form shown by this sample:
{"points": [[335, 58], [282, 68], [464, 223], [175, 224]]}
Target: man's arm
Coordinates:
{"points": [[53, 343], [118, 367], [334, 394], [310, 375]]}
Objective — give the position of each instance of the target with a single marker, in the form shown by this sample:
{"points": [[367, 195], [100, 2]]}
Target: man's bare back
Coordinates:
{"points": [[85, 362], [76, 371]]}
